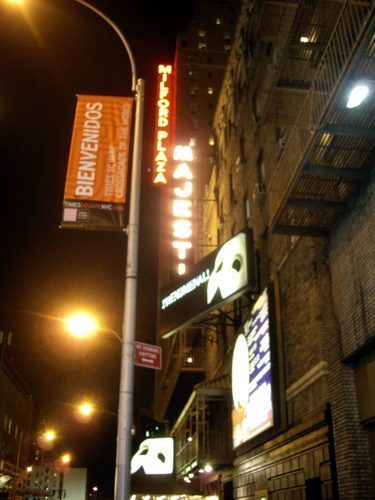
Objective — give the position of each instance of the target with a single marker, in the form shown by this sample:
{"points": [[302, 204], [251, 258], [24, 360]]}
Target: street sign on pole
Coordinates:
{"points": [[147, 355]]}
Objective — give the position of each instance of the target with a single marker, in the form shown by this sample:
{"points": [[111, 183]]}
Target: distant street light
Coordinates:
{"points": [[86, 409], [48, 436], [66, 458], [45, 441]]}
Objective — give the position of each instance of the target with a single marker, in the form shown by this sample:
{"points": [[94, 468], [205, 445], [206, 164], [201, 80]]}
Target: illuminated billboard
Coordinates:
{"points": [[252, 375], [221, 276]]}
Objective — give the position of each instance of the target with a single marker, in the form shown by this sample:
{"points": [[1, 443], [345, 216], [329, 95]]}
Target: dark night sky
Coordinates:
{"points": [[50, 51]]}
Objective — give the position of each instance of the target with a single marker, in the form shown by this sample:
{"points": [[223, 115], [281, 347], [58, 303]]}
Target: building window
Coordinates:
{"points": [[246, 208], [193, 105], [202, 45], [242, 149], [192, 74], [218, 20], [192, 142], [226, 48], [210, 90], [194, 124], [211, 141], [261, 168], [227, 37], [231, 189], [201, 33]]}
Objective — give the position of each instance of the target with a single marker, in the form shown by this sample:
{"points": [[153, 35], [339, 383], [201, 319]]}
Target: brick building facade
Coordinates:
{"points": [[294, 165]]}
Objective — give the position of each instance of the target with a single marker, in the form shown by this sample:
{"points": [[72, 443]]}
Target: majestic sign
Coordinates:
{"points": [[155, 455], [95, 188], [147, 355], [253, 410], [221, 276], [182, 205], [163, 118]]}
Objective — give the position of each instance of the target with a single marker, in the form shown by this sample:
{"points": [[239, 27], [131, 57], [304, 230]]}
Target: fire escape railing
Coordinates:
{"points": [[181, 356], [202, 432], [350, 26]]}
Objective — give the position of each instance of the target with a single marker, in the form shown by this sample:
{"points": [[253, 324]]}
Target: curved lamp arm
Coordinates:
{"points": [[120, 35]]}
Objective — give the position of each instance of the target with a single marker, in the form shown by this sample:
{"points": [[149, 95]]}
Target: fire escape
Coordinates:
{"points": [[329, 152]]}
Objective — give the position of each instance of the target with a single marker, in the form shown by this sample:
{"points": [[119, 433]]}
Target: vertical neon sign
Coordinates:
{"points": [[182, 225], [162, 124]]}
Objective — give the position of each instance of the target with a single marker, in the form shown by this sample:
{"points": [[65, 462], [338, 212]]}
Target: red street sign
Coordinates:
{"points": [[147, 355]]}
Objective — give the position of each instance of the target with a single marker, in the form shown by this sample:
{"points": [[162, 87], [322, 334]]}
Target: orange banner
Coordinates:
{"points": [[98, 161]]}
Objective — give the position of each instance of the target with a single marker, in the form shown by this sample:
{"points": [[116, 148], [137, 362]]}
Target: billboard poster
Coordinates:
{"points": [[95, 187], [253, 411], [221, 276]]}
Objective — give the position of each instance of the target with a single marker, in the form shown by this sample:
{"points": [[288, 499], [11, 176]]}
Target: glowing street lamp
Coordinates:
{"points": [[86, 409], [48, 436], [45, 441], [81, 325], [66, 458]]}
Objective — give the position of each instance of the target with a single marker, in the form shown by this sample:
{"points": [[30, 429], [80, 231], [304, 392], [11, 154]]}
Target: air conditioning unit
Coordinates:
{"points": [[259, 192]]}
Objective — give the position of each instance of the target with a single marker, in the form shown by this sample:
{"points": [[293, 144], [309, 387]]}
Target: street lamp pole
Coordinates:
{"points": [[125, 405]]}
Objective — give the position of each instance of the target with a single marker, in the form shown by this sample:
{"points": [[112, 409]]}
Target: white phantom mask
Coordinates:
{"points": [[230, 270], [155, 455]]}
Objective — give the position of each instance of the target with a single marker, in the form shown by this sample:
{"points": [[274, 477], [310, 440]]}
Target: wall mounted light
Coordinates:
{"points": [[357, 95]]}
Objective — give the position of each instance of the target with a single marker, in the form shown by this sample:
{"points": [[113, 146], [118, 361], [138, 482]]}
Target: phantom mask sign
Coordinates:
{"points": [[155, 456], [219, 277]]}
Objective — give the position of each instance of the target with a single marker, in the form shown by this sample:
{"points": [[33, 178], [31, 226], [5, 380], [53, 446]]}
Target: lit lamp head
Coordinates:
{"points": [[358, 93], [66, 458], [81, 325], [84, 411], [46, 439]]}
